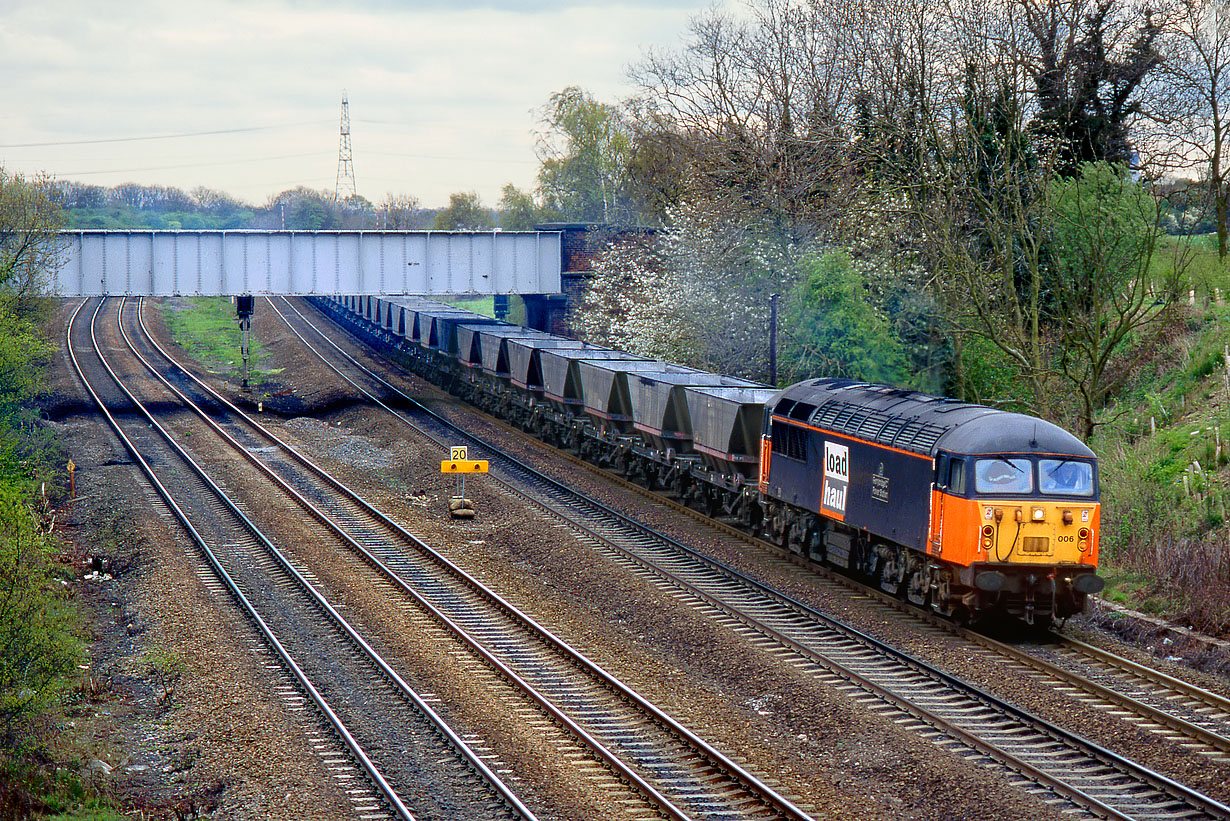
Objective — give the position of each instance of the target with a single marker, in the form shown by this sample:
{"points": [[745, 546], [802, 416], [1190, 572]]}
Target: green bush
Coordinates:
{"points": [[831, 329], [987, 375], [38, 649]]}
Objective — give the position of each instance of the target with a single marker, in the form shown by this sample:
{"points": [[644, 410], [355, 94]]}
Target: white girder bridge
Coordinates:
{"points": [[307, 263]]}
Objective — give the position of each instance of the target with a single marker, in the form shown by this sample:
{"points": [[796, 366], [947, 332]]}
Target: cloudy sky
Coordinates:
{"points": [[444, 96]]}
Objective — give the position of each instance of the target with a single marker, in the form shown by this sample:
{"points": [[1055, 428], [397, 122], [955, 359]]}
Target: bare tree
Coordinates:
{"points": [[396, 212], [753, 113], [1104, 238], [1196, 81], [1088, 60], [1051, 274]]}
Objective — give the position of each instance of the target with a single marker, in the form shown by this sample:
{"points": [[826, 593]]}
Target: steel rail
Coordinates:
{"points": [[365, 762], [1177, 684], [472, 759], [1161, 718], [321, 516], [768, 795]]}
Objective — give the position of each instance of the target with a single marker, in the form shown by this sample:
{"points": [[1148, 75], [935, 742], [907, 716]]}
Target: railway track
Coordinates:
{"points": [[954, 714], [416, 765], [1174, 709], [676, 773]]}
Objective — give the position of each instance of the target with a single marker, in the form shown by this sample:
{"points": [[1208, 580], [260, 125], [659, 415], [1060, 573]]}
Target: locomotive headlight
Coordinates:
{"points": [[1083, 533], [1039, 514], [987, 530]]}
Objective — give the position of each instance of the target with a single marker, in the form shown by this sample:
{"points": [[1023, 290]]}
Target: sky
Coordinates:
{"points": [[244, 97]]}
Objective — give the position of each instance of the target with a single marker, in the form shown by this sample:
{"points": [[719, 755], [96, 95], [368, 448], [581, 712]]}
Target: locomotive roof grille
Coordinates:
{"points": [[918, 423], [892, 428], [872, 426], [925, 437], [877, 426], [841, 419]]}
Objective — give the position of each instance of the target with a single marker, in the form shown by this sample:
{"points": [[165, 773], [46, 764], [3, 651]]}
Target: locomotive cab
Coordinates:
{"points": [[1022, 528]]}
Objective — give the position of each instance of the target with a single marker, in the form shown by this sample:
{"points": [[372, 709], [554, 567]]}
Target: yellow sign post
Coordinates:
{"points": [[467, 466], [459, 507]]}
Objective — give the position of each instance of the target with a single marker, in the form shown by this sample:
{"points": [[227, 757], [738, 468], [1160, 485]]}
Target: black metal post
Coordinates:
{"points": [[245, 306], [773, 339]]}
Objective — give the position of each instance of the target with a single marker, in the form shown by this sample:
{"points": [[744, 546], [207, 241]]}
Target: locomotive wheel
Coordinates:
{"points": [[893, 570], [919, 591]]}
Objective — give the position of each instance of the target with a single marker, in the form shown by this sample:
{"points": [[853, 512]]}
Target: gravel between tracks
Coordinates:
{"points": [[951, 653], [819, 744]]}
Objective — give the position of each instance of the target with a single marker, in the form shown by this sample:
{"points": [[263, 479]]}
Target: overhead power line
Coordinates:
{"points": [[456, 159], [163, 136], [187, 165]]}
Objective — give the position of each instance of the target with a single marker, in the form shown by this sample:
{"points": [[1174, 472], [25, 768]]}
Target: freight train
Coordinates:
{"points": [[976, 513]]}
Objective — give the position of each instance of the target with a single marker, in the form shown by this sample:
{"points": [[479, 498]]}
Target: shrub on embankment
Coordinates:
{"points": [[40, 640], [1164, 449]]}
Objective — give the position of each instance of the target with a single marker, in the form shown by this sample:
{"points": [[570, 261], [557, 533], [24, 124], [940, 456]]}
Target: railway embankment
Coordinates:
{"points": [[1164, 454]]}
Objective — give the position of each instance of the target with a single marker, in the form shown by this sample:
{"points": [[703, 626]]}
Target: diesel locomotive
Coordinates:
{"points": [[962, 508], [975, 513]]}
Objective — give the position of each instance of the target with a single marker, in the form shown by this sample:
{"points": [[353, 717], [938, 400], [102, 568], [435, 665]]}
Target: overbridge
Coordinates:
{"points": [[306, 263]]}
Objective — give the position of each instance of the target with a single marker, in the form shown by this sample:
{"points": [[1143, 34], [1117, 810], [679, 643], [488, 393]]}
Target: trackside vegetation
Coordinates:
{"points": [[1165, 462], [41, 646]]}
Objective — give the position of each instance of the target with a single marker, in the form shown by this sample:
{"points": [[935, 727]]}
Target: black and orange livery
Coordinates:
{"points": [[966, 509]]}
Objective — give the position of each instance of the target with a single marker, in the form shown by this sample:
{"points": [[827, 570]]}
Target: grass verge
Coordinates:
{"points": [[206, 327]]}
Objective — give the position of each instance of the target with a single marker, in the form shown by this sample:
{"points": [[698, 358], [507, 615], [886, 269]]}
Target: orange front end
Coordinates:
{"points": [[1024, 531]]}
